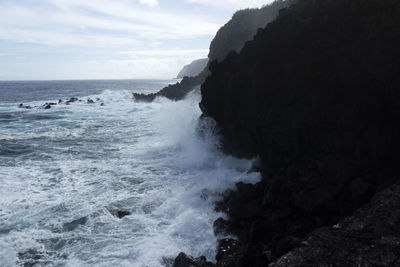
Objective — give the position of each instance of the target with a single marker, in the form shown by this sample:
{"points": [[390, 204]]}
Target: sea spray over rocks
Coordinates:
{"points": [[68, 169]]}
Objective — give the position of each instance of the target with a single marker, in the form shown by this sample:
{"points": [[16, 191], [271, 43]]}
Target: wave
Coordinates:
{"points": [[146, 158]]}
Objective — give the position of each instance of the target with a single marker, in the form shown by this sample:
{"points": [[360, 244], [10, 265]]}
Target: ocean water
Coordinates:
{"points": [[65, 171]]}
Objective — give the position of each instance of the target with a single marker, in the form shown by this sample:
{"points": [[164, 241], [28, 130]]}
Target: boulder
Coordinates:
{"points": [[183, 260]]}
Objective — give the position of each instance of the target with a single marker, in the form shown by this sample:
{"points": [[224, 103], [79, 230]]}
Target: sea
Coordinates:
{"points": [[106, 181]]}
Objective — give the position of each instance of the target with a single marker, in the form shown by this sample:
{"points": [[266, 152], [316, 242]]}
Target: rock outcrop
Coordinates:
{"points": [[184, 260], [242, 28], [174, 91], [193, 69], [370, 237], [316, 95], [231, 37]]}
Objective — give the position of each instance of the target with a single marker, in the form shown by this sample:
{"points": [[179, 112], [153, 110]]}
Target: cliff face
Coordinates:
{"points": [[316, 95], [324, 71], [242, 28], [232, 36], [176, 91], [193, 69]]}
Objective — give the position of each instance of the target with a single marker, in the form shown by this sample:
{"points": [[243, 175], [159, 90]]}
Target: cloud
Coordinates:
{"points": [[149, 2], [67, 39], [88, 22]]}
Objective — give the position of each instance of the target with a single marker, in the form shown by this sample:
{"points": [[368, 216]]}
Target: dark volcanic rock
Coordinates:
{"points": [[223, 227], [23, 106], [48, 105], [242, 28], [90, 101], [176, 91], [231, 37], [316, 95], [144, 97], [184, 260], [370, 237], [120, 213], [229, 253], [71, 100]]}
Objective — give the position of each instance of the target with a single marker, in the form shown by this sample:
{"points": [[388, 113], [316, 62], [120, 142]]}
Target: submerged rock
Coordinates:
{"points": [[23, 106], [35, 257], [70, 226]]}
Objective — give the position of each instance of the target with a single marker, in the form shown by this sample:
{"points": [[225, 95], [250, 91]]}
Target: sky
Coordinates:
{"points": [[108, 39]]}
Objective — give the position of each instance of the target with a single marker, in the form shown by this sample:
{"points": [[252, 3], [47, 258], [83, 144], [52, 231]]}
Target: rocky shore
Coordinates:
{"points": [[175, 91], [230, 37], [316, 97]]}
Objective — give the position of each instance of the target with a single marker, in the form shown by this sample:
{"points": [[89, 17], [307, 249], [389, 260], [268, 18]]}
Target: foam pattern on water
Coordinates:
{"points": [[64, 170]]}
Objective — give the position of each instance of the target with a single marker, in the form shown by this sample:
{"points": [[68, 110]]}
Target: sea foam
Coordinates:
{"points": [[147, 158]]}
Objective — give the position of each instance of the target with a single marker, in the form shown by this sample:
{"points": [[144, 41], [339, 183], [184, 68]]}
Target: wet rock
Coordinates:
{"points": [[48, 105], [102, 104], [60, 101], [120, 213], [144, 97], [23, 106], [222, 227], [229, 253], [167, 261], [71, 100], [183, 260], [176, 91], [70, 226], [90, 101]]}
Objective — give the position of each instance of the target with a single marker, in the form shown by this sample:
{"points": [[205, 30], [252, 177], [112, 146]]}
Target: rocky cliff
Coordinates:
{"points": [[232, 36], [175, 91], [193, 69], [242, 28], [316, 95]]}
